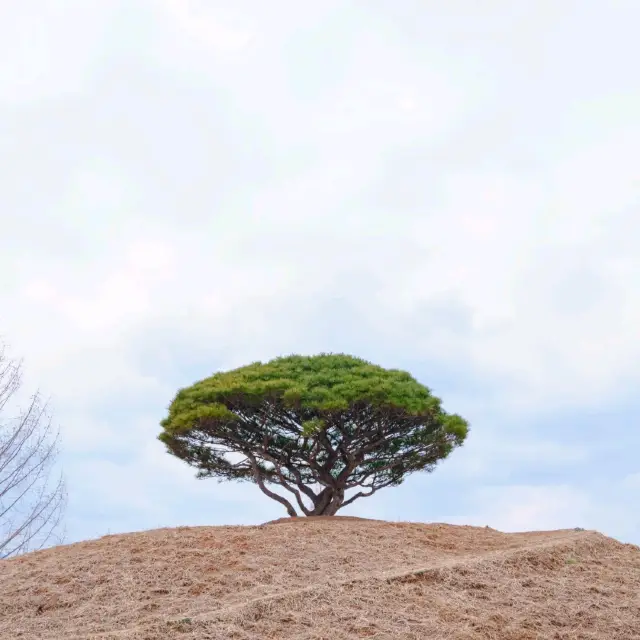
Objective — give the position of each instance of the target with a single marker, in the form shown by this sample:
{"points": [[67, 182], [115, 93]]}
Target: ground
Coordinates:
{"points": [[334, 578]]}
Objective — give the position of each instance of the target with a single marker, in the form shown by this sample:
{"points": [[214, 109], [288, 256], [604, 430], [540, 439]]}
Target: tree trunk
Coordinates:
{"points": [[330, 501]]}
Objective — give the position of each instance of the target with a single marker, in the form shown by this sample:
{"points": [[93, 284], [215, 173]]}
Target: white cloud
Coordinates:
{"points": [[632, 481], [42, 57], [530, 508], [199, 23], [548, 507], [235, 184], [493, 454]]}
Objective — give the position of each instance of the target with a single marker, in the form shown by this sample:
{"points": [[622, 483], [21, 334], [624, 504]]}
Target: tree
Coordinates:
{"points": [[31, 504], [316, 427]]}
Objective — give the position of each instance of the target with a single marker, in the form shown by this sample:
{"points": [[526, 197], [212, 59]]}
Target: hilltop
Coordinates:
{"points": [[326, 578]]}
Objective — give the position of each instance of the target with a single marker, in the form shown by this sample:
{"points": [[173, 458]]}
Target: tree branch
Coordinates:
{"points": [[260, 482], [29, 513], [362, 494]]}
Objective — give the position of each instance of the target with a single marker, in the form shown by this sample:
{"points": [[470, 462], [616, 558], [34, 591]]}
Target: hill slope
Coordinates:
{"points": [[333, 578]]}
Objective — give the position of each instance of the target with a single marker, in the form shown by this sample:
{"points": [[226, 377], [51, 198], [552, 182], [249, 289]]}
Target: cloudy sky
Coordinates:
{"points": [[449, 188]]}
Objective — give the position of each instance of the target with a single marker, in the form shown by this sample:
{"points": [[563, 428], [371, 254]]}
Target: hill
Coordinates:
{"points": [[326, 578]]}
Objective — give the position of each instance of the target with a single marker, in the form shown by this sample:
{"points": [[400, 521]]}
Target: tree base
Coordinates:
{"points": [[307, 518]]}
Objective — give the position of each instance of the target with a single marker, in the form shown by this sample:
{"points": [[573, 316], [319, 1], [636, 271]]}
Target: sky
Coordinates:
{"points": [[450, 188]]}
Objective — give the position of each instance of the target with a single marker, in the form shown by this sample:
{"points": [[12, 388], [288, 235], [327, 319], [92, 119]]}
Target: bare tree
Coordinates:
{"points": [[32, 500]]}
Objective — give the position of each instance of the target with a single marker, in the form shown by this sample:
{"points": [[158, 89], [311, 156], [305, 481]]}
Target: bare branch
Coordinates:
{"points": [[260, 482], [282, 481], [375, 471], [363, 494], [30, 509]]}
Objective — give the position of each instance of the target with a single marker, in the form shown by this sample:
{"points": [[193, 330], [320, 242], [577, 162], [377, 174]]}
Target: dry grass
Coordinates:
{"points": [[336, 578]]}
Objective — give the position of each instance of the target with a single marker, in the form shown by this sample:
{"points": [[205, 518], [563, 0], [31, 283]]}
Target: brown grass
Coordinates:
{"points": [[326, 578]]}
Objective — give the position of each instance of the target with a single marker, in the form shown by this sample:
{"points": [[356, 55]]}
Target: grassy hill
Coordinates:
{"points": [[326, 578]]}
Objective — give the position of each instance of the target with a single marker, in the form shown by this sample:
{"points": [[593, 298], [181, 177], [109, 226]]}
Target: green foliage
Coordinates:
{"points": [[325, 382], [330, 419]]}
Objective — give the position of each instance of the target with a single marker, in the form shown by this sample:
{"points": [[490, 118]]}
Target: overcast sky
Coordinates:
{"points": [[452, 188]]}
